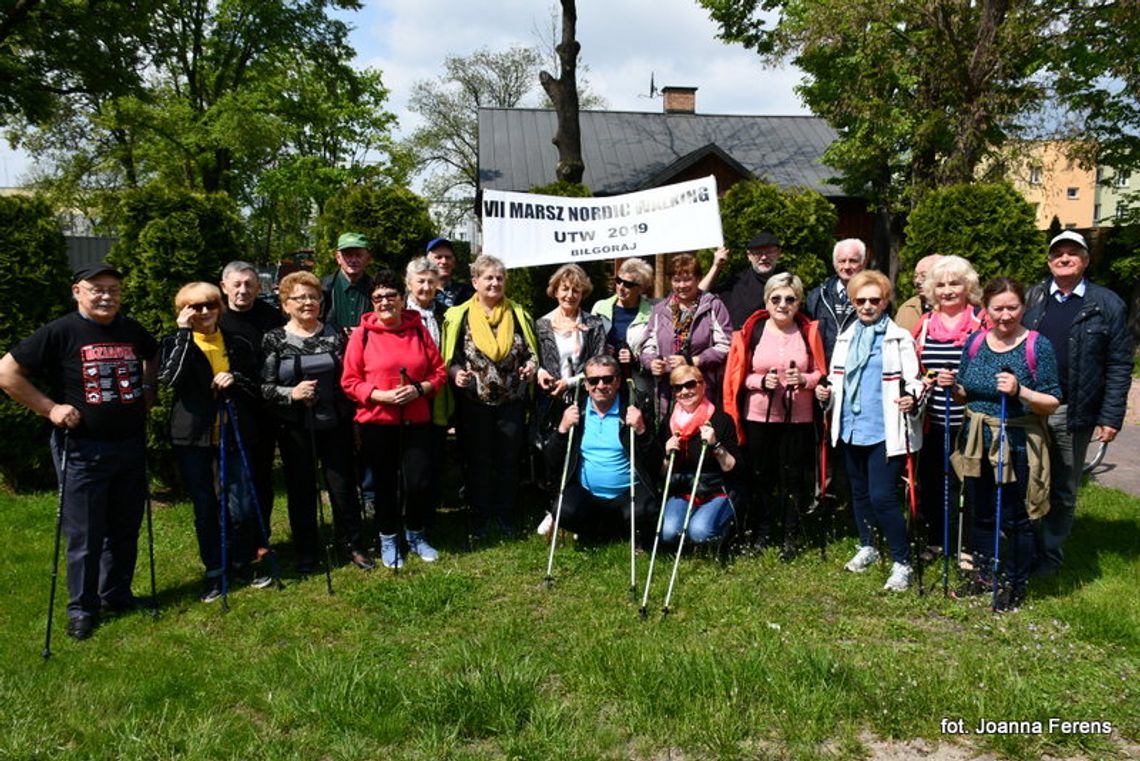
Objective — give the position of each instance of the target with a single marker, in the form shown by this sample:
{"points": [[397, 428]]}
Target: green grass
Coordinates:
{"points": [[472, 659]]}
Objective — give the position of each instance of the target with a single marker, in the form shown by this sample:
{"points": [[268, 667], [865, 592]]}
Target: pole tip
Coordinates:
{"points": [[642, 613]]}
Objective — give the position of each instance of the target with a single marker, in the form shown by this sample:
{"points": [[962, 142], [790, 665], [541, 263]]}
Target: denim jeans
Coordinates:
{"points": [[707, 522], [197, 466], [875, 495]]}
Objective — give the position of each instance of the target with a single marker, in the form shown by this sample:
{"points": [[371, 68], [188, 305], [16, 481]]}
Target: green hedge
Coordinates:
{"points": [[393, 219]]}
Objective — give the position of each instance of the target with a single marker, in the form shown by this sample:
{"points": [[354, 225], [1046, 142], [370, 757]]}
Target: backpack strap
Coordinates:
{"points": [[1030, 349], [976, 343]]}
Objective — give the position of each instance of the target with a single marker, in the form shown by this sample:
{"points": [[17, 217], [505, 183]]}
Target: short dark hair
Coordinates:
{"points": [[386, 278], [1000, 285], [602, 360]]}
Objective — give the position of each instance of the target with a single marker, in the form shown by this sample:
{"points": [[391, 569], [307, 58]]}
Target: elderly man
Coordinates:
{"points": [[99, 367], [911, 311], [250, 317], [1088, 329], [595, 501], [744, 293], [347, 293], [828, 303], [451, 291]]}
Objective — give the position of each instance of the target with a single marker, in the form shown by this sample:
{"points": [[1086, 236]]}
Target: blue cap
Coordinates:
{"points": [[435, 243]]}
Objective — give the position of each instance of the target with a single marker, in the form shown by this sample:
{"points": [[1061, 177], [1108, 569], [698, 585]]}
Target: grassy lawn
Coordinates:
{"points": [[471, 658]]}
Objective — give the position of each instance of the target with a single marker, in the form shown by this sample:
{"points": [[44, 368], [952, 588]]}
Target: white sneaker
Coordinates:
{"points": [[545, 527], [864, 558], [899, 580]]}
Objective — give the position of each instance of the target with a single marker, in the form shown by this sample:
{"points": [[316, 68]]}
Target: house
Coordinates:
{"points": [[626, 151]]}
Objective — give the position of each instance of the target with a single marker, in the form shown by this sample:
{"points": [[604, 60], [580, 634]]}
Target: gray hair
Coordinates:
{"points": [[784, 280], [420, 265], [237, 265], [603, 360], [484, 262], [640, 269], [847, 243]]}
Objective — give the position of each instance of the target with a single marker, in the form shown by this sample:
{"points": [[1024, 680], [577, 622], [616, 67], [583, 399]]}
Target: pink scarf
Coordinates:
{"points": [[686, 424], [966, 323]]}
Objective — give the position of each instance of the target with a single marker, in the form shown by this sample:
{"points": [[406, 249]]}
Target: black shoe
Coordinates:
{"points": [[788, 552], [130, 605], [213, 591], [81, 628]]}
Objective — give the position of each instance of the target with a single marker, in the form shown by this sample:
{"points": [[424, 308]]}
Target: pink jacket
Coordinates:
{"points": [[373, 360]]}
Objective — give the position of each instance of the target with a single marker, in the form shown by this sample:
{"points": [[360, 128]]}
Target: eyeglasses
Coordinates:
{"points": [[688, 385], [766, 252], [204, 306], [605, 380], [789, 300], [873, 301], [304, 297], [380, 298], [627, 283], [114, 291]]}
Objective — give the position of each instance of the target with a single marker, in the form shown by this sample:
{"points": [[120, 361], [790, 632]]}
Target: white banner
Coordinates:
{"points": [[524, 229]]}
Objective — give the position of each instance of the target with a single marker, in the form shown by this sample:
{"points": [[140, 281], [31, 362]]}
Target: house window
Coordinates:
{"points": [[1070, 225], [1072, 193], [1122, 178], [1035, 175]]}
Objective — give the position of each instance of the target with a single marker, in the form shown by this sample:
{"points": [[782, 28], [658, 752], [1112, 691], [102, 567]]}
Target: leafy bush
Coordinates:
{"points": [[393, 219], [33, 291], [988, 224], [803, 220]]}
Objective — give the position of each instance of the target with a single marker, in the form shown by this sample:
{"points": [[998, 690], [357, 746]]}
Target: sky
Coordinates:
{"points": [[623, 42]]}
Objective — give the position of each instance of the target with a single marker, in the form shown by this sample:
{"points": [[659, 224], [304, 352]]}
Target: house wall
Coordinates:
{"points": [[1055, 184]]}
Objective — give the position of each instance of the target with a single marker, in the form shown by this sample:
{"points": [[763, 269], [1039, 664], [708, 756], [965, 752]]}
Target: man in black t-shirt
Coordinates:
{"points": [[99, 367]]}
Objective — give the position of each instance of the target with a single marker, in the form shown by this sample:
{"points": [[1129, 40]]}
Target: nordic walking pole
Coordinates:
{"points": [[223, 510], [549, 579], [685, 528], [946, 497], [320, 499], [55, 552], [997, 495], [912, 497], [643, 610], [632, 498], [248, 472]]}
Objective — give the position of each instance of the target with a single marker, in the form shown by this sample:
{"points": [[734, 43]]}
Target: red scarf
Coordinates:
{"points": [[686, 424]]}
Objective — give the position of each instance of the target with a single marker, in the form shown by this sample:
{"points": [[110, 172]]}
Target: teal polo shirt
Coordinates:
{"points": [[605, 462]]}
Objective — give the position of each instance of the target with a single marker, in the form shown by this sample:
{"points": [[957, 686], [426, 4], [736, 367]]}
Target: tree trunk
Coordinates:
{"points": [[563, 93]]}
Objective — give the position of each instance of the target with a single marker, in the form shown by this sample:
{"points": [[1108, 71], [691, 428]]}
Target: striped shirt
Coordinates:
{"points": [[942, 355]]}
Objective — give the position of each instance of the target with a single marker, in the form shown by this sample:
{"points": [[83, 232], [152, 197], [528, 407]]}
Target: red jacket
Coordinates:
{"points": [[373, 360], [739, 362]]}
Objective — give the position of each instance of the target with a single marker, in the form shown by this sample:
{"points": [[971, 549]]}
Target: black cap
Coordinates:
{"points": [[88, 271], [764, 239]]}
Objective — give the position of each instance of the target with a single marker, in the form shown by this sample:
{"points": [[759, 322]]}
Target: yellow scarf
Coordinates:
{"points": [[214, 347], [497, 344]]}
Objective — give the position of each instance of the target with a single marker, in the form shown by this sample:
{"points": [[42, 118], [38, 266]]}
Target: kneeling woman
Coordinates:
{"points": [[392, 369], [694, 423], [874, 370], [1012, 361]]}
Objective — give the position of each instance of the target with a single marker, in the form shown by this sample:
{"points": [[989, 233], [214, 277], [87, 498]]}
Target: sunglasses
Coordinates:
{"points": [[688, 385], [378, 298], [789, 300], [627, 283], [205, 306], [873, 301], [593, 380]]}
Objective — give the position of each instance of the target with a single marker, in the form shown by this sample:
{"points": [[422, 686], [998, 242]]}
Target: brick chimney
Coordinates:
{"points": [[679, 100]]}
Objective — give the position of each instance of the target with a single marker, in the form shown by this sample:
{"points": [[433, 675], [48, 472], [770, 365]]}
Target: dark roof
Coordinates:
{"points": [[626, 151]]}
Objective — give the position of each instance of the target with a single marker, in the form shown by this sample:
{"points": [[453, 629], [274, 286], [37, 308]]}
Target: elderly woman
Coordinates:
{"points": [[491, 355], [627, 318], [775, 362], [688, 327], [693, 423], [392, 368], [300, 379], [874, 382], [1012, 361], [952, 288], [205, 365], [421, 278]]}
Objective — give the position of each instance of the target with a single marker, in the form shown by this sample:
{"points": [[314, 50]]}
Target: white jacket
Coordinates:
{"points": [[899, 361]]}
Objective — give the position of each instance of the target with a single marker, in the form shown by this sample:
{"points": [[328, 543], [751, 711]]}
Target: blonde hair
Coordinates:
{"points": [[290, 282], [869, 277], [485, 262], [198, 291], [784, 280], [682, 373], [956, 267], [640, 269], [573, 274]]}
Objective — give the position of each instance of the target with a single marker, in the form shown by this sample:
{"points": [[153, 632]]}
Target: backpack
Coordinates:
{"points": [[1030, 348]]}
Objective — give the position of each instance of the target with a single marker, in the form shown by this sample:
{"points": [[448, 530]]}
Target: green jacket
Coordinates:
{"points": [[444, 405]]}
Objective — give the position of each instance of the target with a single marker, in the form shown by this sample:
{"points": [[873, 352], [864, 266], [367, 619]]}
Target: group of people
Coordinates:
{"points": [[715, 399]]}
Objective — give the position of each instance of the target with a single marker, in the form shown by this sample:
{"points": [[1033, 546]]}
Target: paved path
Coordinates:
{"points": [[1121, 466]]}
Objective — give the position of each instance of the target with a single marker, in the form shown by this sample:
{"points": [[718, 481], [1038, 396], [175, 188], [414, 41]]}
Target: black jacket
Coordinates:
{"points": [[1100, 355], [186, 370], [647, 460], [821, 306], [713, 480]]}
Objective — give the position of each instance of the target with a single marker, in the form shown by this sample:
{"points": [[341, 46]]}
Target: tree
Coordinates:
{"points": [[563, 93], [393, 219], [922, 94], [33, 291], [988, 224], [802, 220]]}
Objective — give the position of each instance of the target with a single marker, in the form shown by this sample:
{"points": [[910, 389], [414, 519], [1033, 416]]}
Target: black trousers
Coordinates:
{"points": [[596, 518], [783, 475], [392, 451], [931, 486], [492, 438], [335, 455]]}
